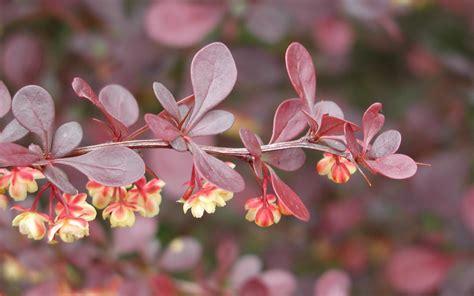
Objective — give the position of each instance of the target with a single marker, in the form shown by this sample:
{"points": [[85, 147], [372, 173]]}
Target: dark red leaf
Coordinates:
{"points": [[167, 100], [250, 142], [289, 198], [215, 170], [394, 166], [59, 178], [67, 137], [372, 122], [5, 99], [254, 287], [111, 166], [213, 123], [288, 160], [213, 75], [162, 128], [83, 90], [15, 155], [163, 284], [288, 122], [385, 144], [33, 107], [331, 126], [351, 140], [119, 103], [329, 108], [300, 67], [14, 131]]}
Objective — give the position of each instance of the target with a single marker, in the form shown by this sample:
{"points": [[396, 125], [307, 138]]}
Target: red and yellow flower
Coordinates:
{"points": [[147, 196], [264, 210], [102, 195], [206, 200], [121, 212], [68, 229], [31, 223], [77, 206], [19, 181], [337, 168]]}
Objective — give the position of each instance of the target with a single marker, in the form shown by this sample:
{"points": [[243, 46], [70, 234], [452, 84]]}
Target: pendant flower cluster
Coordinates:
{"points": [[337, 168]]}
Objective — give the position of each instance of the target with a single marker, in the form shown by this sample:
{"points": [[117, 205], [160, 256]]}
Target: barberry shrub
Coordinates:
{"points": [[121, 184]]}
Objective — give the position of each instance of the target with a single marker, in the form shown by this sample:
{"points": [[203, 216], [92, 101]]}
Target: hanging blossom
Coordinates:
{"points": [[265, 210], [19, 181], [337, 168], [30, 223]]}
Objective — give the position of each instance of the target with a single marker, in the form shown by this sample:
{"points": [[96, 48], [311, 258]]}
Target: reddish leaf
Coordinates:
{"points": [[250, 142], [213, 123], [119, 103], [417, 270], [395, 166], [289, 198], [288, 160], [111, 166], [161, 127], [372, 122], [333, 283], [14, 131], [329, 108], [213, 75], [5, 99], [167, 100], [385, 144], [254, 287], [331, 126], [288, 122], [215, 170], [300, 67], [182, 23], [33, 107], [83, 90], [67, 137], [16, 155], [351, 140], [59, 178]]}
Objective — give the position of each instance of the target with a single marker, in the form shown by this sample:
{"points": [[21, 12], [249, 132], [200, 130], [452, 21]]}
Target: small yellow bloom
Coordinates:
{"points": [[147, 196], [20, 181], [77, 206], [121, 214], [69, 229], [103, 195], [206, 200], [31, 224]]}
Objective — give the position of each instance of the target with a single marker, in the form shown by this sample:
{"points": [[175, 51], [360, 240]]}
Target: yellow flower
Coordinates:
{"points": [[103, 195], [69, 229], [206, 200], [337, 168], [121, 214], [77, 206], [20, 181], [31, 224], [147, 196]]}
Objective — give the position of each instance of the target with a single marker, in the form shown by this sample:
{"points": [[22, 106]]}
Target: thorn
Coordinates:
{"points": [[423, 164]]}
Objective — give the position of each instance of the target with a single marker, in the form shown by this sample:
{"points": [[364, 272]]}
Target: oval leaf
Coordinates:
{"points": [[111, 166], [215, 170], [351, 140], [67, 137], [59, 178], [14, 131], [300, 68], [213, 75], [33, 107], [162, 128], [83, 90], [213, 123], [250, 142], [372, 123], [288, 122], [333, 126], [329, 108], [385, 144], [167, 100], [288, 160], [289, 198], [15, 155], [119, 103], [5, 99], [395, 166]]}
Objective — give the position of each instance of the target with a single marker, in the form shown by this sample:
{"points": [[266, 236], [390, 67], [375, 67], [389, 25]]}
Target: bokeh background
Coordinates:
{"points": [[413, 237]]}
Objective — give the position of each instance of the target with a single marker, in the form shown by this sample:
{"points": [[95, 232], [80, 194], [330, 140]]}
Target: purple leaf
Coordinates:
{"points": [[59, 178], [351, 140], [372, 122], [331, 126], [5, 99], [166, 99], [67, 137], [162, 128], [289, 198], [300, 67], [33, 107], [288, 122], [120, 104], [329, 108], [213, 75], [213, 123], [179, 144], [395, 166], [215, 170], [111, 166], [288, 160], [251, 142], [385, 144], [83, 90], [15, 155], [14, 131]]}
